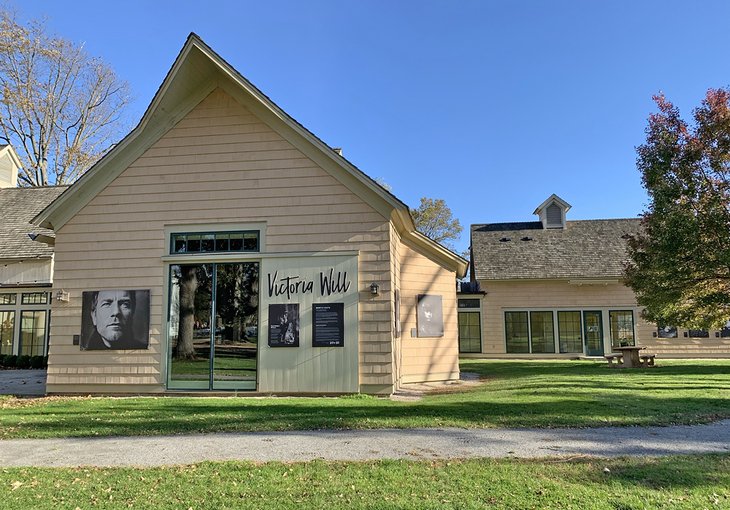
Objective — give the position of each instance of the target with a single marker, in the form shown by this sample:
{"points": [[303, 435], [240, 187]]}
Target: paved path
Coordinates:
{"points": [[23, 382], [366, 445]]}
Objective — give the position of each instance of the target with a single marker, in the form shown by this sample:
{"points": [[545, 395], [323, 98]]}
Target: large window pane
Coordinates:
{"points": [[542, 332], [569, 335], [191, 295], [7, 326], [515, 327], [32, 332], [236, 332], [622, 327], [469, 332]]}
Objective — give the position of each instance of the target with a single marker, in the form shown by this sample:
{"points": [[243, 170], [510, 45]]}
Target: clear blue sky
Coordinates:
{"points": [[490, 105]]}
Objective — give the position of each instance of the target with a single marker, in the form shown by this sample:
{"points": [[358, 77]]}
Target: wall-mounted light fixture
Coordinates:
{"points": [[62, 295], [374, 289]]}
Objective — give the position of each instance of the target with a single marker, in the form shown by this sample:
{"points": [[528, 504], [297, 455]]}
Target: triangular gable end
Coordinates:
{"points": [[196, 72]]}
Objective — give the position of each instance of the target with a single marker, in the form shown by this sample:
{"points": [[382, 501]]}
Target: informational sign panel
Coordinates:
{"points": [[284, 325], [328, 325]]}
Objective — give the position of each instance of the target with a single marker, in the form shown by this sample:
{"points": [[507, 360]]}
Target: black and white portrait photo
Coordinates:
{"points": [[430, 317], [667, 331], [115, 320], [284, 325]]}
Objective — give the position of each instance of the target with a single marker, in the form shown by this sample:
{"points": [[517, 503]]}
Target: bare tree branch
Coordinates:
{"points": [[59, 107]]}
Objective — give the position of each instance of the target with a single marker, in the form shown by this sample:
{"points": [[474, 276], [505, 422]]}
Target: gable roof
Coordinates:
{"points": [[19, 206], [585, 249], [196, 72]]}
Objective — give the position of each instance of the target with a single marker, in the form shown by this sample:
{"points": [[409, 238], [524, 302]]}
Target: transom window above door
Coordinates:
{"points": [[215, 242]]}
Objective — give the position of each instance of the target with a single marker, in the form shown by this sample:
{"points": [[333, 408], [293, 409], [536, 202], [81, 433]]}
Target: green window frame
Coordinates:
{"points": [[246, 241]]}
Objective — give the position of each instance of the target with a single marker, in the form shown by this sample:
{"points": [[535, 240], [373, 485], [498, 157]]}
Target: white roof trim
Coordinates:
{"points": [[163, 112], [552, 198]]}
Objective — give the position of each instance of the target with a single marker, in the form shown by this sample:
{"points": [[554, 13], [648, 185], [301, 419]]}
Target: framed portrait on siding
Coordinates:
{"points": [[430, 317], [115, 320], [284, 325]]}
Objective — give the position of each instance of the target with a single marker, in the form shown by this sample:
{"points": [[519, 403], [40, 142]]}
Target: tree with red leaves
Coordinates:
{"points": [[679, 264]]}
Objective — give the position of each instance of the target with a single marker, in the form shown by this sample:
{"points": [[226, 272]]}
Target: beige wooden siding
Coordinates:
{"points": [[395, 276], [220, 164], [562, 295], [427, 359]]}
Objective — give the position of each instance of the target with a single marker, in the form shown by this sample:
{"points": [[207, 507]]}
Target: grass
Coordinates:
{"points": [[514, 394], [669, 482]]}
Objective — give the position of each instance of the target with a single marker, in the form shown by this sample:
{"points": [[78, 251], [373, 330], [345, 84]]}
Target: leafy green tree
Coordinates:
{"points": [[433, 219], [679, 263], [59, 107]]}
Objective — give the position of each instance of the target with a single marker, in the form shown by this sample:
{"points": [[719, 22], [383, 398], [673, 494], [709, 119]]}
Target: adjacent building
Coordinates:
{"points": [[221, 246], [553, 288], [26, 265]]}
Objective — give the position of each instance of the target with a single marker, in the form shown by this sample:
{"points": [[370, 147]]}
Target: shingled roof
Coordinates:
{"points": [[584, 249], [17, 207]]}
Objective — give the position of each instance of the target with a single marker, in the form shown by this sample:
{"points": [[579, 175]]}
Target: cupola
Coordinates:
{"points": [[552, 212]]}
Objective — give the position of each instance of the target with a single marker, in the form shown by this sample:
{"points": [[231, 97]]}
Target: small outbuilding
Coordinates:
{"points": [[221, 246]]}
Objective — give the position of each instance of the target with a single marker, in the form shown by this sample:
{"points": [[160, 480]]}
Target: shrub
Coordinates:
{"points": [[37, 362], [2, 360], [10, 360], [23, 361]]}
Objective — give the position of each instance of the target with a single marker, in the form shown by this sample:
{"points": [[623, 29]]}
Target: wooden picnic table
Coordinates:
{"points": [[631, 355]]}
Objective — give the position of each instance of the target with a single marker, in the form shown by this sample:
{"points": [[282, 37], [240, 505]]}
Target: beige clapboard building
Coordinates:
{"points": [[553, 288], [221, 247]]}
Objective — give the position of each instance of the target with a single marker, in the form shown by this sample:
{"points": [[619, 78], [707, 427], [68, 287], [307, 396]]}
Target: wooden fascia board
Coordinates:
{"points": [[434, 251], [115, 162]]}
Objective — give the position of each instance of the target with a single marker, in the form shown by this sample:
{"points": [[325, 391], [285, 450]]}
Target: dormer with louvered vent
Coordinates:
{"points": [[552, 212]]}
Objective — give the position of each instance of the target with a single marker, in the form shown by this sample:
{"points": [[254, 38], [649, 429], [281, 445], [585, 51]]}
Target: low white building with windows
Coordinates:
{"points": [[26, 265], [554, 288]]}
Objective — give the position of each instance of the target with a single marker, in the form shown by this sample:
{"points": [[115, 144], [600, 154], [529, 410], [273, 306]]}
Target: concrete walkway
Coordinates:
{"points": [[367, 445]]}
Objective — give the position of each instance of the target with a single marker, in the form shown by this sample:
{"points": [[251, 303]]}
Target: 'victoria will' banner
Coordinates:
{"points": [[328, 283]]}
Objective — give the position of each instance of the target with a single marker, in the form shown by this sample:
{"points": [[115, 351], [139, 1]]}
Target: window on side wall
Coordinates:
{"points": [[697, 333], [542, 332], [622, 328], [516, 332], [569, 332]]}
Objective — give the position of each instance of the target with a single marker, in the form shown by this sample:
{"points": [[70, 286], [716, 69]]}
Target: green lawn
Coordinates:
{"points": [[514, 394], [659, 483]]}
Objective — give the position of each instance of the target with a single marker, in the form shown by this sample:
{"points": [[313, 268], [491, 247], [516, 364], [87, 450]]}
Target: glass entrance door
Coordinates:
{"points": [[213, 317], [236, 332], [593, 328]]}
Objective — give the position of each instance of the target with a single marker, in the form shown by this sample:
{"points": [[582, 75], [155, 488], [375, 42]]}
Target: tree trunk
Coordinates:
{"points": [[188, 288]]}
